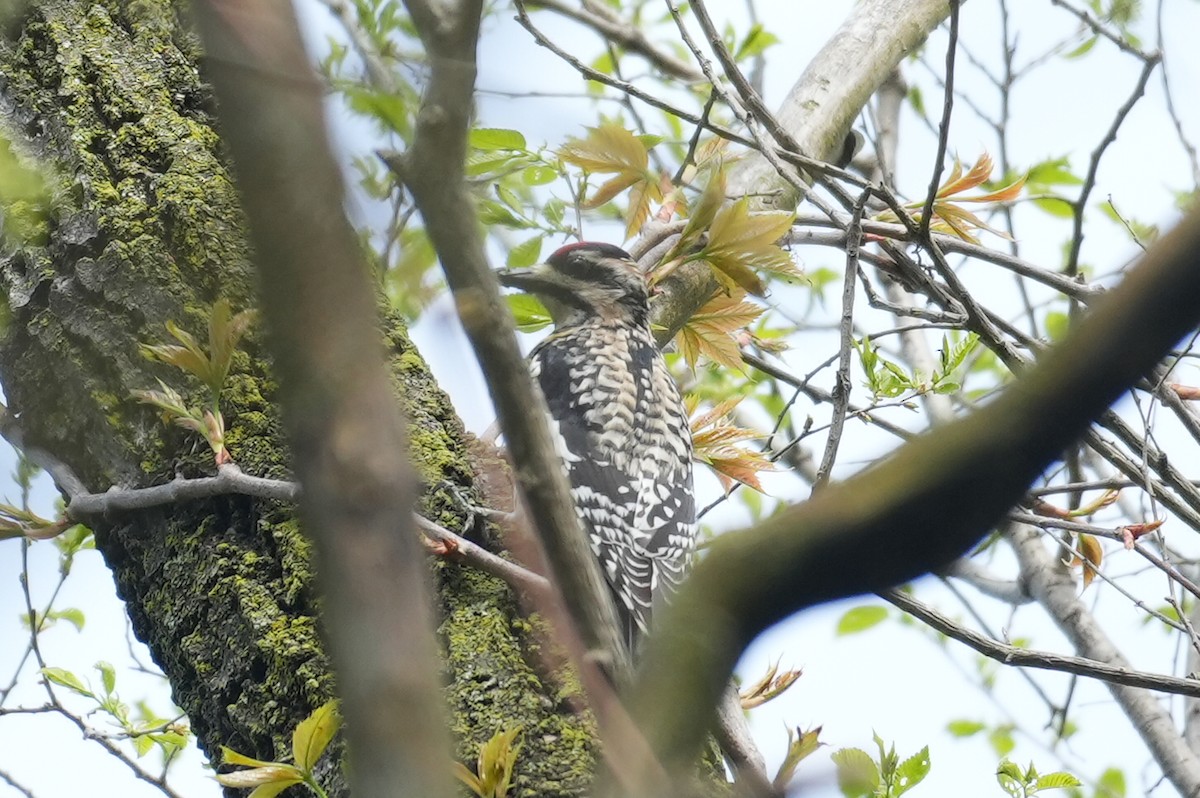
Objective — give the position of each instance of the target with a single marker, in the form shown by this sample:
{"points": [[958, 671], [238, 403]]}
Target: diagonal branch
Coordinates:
{"points": [[348, 440], [433, 170]]}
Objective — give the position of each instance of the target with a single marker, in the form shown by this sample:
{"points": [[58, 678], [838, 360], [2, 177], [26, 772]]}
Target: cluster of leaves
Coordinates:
{"points": [[16, 522], [741, 247], [1121, 14], [770, 686], [494, 768], [887, 379], [211, 366], [147, 732], [1027, 782], [309, 741], [715, 440], [949, 216], [861, 776]]}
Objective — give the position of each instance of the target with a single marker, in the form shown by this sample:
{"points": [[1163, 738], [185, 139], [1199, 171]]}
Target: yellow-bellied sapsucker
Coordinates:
{"points": [[618, 421]]}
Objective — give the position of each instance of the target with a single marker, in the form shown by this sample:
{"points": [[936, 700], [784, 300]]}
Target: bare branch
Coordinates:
{"points": [[1056, 592], [608, 24], [1045, 660], [972, 470], [939, 161]]}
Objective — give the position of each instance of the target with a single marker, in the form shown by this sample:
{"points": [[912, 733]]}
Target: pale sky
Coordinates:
{"points": [[894, 680]]}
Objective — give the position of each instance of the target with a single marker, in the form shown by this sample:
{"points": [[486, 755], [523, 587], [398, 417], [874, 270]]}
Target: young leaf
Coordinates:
{"points": [[494, 769], [525, 254], [772, 685], [709, 331], [857, 773], [64, 678], [1093, 557], [496, 139], [740, 242], [714, 442], [965, 728], [71, 615], [1056, 781], [611, 149], [231, 757], [108, 676], [911, 772], [860, 619], [800, 746], [528, 312], [313, 734]]}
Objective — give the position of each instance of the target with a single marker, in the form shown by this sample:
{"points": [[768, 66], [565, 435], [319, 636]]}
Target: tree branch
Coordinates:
{"points": [[971, 470], [1044, 660], [433, 170], [1055, 591], [348, 440]]}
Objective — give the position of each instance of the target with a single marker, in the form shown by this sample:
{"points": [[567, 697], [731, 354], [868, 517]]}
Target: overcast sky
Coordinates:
{"points": [[896, 680]]}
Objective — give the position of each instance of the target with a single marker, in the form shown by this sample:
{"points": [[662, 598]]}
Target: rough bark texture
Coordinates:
{"points": [[107, 100]]}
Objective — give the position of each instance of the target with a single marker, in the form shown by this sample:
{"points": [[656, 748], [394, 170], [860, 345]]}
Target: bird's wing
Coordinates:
{"points": [[605, 493]]}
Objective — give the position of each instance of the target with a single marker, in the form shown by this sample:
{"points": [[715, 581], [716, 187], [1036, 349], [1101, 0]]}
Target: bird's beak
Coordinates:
{"points": [[529, 280]]}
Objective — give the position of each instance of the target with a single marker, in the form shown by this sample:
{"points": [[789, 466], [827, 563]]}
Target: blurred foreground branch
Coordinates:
{"points": [[348, 440]]}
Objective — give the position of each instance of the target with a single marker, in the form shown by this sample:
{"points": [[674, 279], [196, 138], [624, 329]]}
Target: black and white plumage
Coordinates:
{"points": [[618, 421]]}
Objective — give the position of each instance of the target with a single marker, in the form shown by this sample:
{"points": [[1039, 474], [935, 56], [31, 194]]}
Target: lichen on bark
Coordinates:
{"points": [[144, 227]]}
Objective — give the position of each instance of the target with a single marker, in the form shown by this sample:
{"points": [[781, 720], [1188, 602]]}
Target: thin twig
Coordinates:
{"points": [[944, 128], [841, 389], [1089, 180], [1045, 660]]}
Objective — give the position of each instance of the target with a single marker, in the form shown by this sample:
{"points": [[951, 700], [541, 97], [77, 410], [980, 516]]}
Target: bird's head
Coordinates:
{"points": [[586, 281]]}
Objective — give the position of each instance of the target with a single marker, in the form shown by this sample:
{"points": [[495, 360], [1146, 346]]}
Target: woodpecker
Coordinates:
{"points": [[618, 423]]}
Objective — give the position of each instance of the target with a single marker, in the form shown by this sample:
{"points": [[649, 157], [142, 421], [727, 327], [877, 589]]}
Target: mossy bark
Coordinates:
{"points": [[143, 226]]}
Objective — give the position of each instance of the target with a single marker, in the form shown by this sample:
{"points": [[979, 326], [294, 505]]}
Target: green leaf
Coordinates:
{"points": [[25, 199], [1056, 781], [510, 198], [231, 757], [965, 728], [1082, 49], [528, 312], [1057, 325], [271, 789], [538, 175], [525, 254], [142, 744], [1111, 784], [860, 619], [170, 739], [71, 615], [917, 100], [755, 42], [313, 734], [1002, 740], [911, 772], [108, 675], [491, 212], [1055, 206], [554, 210], [64, 678], [496, 139], [1052, 172], [472, 782], [388, 109], [857, 773]]}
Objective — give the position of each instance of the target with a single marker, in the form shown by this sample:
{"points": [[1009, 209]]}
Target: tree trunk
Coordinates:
{"points": [[143, 227]]}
